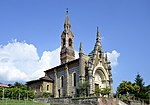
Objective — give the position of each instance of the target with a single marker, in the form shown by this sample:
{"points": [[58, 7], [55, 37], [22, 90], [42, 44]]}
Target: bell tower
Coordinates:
{"points": [[67, 42]]}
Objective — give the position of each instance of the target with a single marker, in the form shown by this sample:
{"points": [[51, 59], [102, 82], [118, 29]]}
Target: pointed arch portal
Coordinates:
{"points": [[100, 77]]}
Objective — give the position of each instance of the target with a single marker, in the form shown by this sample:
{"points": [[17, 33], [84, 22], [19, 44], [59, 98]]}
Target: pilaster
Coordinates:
{"points": [[67, 80], [81, 64], [55, 84], [90, 82]]}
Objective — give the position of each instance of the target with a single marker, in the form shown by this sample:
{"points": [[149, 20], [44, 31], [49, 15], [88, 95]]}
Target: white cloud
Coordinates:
{"points": [[113, 57], [17, 61], [20, 61]]}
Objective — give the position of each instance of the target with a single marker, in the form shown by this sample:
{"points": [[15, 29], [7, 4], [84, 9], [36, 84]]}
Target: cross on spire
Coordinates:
{"points": [[67, 11]]}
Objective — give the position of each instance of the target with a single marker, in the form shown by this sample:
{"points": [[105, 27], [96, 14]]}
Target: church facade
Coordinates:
{"points": [[65, 78]]}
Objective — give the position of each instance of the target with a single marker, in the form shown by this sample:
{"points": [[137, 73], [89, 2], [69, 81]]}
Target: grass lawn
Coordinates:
{"points": [[21, 102]]}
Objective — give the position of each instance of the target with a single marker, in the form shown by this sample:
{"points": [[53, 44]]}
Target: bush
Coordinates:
{"points": [[47, 94]]}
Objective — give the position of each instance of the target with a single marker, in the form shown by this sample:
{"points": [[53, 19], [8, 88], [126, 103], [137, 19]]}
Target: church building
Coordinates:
{"points": [[63, 80]]}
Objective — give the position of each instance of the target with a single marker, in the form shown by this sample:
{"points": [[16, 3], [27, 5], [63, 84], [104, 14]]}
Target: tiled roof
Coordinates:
{"points": [[45, 78], [4, 85], [62, 65]]}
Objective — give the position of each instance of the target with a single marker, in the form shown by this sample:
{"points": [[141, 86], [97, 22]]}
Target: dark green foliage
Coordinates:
{"points": [[137, 88], [97, 91], [105, 91], [128, 88], [46, 94], [18, 92], [20, 85], [83, 88], [139, 80]]}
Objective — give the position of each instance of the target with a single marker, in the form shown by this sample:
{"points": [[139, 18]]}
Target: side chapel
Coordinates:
{"points": [[63, 80]]}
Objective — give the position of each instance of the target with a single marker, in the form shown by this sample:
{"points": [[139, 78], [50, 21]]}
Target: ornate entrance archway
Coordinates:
{"points": [[100, 77]]}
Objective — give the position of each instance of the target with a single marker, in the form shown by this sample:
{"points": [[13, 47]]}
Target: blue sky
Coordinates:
{"points": [[37, 24]]}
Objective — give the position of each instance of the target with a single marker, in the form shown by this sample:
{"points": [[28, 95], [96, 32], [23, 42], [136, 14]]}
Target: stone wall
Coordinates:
{"points": [[87, 101], [137, 103], [70, 101]]}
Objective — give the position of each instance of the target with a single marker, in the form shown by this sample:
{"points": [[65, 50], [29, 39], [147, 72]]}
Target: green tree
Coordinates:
{"points": [[137, 88], [105, 91], [17, 84], [20, 85], [97, 91], [83, 88], [124, 87], [139, 80], [46, 94], [18, 92], [140, 83]]}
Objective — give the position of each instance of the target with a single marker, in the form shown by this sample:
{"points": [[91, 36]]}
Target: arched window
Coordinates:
{"points": [[64, 41], [74, 79], [70, 42], [47, 87], [61, 81], [67, 27]]}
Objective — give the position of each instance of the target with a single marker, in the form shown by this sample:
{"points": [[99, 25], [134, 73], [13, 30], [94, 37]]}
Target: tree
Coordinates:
{"points": [[140, 83], [17, 84], [139, 80], [124, 87], [97, 91], [19, 92], [83, 88], [137, 88], [20, 85], [105, 91]]}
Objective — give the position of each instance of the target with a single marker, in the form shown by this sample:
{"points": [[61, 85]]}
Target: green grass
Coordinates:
{"points": [[21, 102]]}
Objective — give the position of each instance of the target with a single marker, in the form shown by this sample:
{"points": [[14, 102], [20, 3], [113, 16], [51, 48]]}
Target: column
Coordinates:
{"points": [[90, 82], [67, 81], [82, 68], [55, 84]]}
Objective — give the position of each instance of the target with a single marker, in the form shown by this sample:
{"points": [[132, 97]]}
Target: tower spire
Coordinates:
{"points": [[106, 58], [67, 22], [98, 37], [67, 42], [98, 42], [80, 49]]}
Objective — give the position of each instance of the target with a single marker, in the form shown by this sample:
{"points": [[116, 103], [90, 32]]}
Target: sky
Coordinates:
{"points": [[30, 35]]}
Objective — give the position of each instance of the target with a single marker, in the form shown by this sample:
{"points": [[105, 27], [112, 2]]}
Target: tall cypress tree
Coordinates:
{"points": [[139, 80]]}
